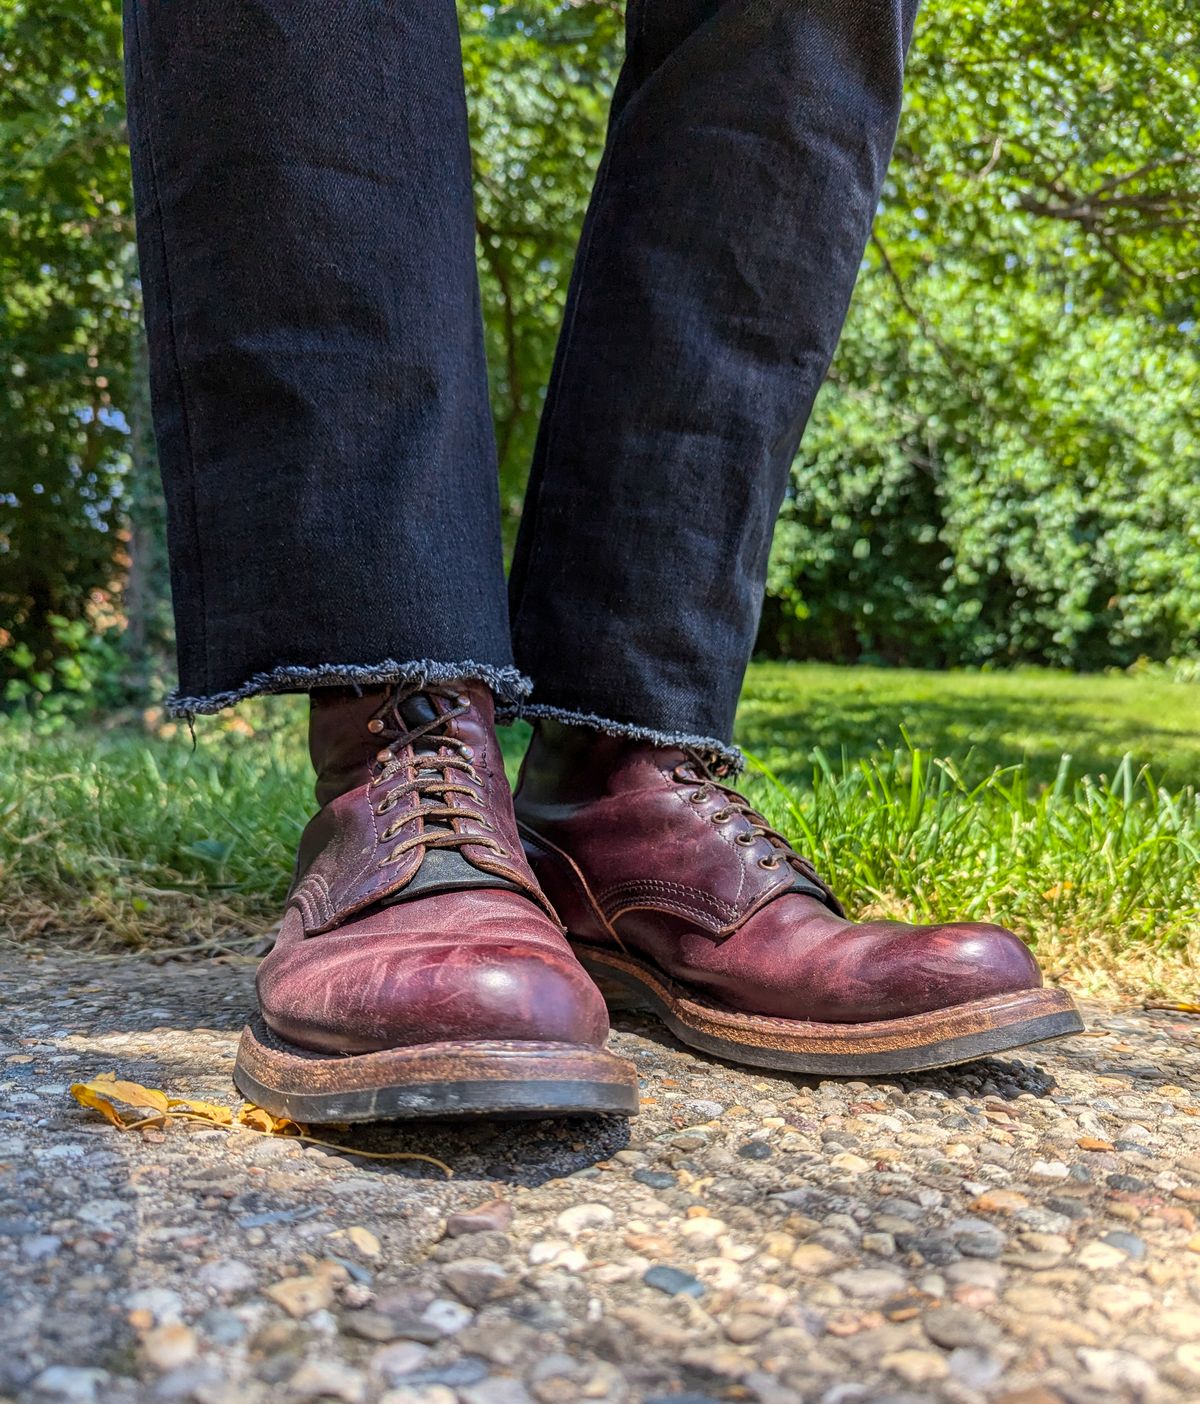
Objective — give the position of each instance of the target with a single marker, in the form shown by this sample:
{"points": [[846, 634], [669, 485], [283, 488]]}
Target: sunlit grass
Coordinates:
{"points": [[120, 837]]}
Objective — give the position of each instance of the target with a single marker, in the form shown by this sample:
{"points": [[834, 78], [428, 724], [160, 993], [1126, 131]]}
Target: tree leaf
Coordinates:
{"points": [[102, 1092], [259, 1119]]}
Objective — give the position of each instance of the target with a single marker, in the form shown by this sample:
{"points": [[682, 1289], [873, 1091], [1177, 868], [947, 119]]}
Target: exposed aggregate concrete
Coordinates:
{"points": [[1019, 1231]]}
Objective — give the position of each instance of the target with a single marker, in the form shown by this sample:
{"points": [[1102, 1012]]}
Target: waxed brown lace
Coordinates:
{"points": [[438, 775], [709, 778]]}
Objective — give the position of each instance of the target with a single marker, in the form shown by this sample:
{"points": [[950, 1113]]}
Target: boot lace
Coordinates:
{"points": [[708, 775], [443, 764]]}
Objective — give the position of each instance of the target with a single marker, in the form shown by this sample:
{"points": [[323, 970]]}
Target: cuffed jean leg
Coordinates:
{"points": [[306, 238], [746, 152]]}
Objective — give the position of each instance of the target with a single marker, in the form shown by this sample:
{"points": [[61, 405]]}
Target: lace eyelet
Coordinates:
{"points": [[697, 797], [768, 864], [746, 840], [721, 817]]}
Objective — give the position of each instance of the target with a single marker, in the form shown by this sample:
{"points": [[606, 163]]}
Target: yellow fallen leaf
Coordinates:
{"points": [[87, 1097], [133, 1094], [259, 1119], [210, 1111], [102, 1093]]}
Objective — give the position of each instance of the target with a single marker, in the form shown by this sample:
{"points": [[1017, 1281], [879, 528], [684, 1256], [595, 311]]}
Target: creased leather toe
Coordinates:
{"points": [[430, 971]]}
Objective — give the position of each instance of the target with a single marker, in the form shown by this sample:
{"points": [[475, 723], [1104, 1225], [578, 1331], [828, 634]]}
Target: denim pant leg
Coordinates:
{"points": [[746, 151], [306, 236]]}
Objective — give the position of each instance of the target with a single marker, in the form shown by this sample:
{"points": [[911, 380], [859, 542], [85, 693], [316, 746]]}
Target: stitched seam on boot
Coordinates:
{"points": [[667, 904], [682, 893]]}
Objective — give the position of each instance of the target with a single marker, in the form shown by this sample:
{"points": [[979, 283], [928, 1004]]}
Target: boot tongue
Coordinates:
{"points": [[442, 869], [416, 711]]}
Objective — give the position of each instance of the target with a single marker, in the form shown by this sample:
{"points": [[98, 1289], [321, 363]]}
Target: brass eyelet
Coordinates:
{"points": [[721, 817], [697, 797], [375, 726], [769, 864], [746, 840]]}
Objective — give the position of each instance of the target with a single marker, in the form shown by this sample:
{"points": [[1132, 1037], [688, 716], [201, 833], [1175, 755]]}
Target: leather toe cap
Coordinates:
{"points": [[795, 959], [916, 969], [486, 965]]}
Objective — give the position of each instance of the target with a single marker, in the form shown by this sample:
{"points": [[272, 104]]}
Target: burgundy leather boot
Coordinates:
{"points": [[419, 969], [675, 892]]}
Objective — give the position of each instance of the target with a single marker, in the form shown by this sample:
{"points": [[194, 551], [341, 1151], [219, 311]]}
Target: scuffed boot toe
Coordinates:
{"points": [[397, 978]]}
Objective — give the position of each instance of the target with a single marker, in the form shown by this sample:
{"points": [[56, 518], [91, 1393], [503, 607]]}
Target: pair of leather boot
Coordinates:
{"points": [[444, 955]]}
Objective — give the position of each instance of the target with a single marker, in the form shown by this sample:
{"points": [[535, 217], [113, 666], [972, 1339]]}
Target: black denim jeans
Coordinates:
{"points": [[306, 236]]}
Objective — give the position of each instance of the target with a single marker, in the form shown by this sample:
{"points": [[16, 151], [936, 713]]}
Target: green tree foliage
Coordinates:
{"points": [[539, 78], [68, 331], [1004, 463]]}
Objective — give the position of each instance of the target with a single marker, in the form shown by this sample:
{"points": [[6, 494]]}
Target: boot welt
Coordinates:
{"points": [[938, 1039], [480, 1078]]}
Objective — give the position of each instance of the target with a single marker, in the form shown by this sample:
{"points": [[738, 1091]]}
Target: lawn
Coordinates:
{"points": [[1065, 805], [1031, 715]]}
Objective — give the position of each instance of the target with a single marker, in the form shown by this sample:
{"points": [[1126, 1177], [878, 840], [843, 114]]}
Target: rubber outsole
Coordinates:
{"points": [[938, 1039], [480, 1078]]}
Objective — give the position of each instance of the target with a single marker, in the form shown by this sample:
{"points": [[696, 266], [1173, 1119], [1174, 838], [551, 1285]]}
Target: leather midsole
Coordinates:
{"points": [[770, 1031]]}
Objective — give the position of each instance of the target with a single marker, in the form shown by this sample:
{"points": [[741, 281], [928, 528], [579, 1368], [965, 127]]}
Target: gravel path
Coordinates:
{"points": [[1021, 1230]]}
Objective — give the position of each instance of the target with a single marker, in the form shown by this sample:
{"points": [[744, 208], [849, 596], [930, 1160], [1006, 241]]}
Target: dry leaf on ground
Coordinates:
{"points": [[108, 1094], [103, 1093], [259, 1119]]}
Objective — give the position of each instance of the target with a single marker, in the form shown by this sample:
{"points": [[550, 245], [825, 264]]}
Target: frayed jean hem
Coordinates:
{"points": [[508, 684], [725, 753]]}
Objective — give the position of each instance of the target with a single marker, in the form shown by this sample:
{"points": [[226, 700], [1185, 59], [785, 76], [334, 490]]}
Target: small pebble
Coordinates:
{"points": [[329, 1379], [167, 1347], [495, 1216], [673, 1281], [755, 1150], [1128, 1243], [581, 1217]]}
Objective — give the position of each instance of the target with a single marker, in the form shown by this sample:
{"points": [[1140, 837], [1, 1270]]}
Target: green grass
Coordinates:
{"points": [[1064, 805], [1030, 715]]}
